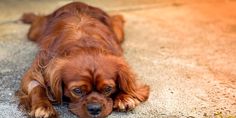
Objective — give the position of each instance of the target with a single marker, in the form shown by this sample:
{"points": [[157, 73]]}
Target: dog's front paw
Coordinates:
{"points": [[125, 102], [43, 110]]}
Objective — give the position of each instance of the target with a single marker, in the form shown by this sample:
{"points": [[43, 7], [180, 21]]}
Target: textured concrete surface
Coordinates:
{"points": [[185, 50]]}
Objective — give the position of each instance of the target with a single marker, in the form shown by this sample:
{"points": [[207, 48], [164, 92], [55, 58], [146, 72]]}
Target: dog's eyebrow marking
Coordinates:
{"points": [[32, 85]]}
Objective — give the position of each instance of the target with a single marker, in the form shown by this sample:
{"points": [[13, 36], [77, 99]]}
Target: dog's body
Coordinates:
{"points": [[80, 58]]}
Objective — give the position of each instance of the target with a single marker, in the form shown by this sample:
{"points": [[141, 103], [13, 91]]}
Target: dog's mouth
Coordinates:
{"points": [[96, 116]]}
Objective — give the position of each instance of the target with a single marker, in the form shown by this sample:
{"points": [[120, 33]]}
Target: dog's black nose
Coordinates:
{"points": [[94, 108]]}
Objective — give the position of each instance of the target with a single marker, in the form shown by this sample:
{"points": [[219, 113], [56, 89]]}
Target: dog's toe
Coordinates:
{"points": [[43, 112]]}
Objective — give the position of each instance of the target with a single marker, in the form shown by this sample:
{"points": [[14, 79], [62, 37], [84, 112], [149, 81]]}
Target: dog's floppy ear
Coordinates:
{"points": [[53, 74], [126, 79], [127, 83]]}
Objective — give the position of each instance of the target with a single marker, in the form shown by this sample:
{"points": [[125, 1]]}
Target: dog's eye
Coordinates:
{"points": [[78, 91], [107, 90]]}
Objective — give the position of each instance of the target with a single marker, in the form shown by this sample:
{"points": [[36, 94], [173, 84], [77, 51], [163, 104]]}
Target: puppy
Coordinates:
{"points": [[79, 60]]}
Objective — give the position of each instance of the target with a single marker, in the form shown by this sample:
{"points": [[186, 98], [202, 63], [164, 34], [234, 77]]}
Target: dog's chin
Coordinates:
{"points": [[80, 110]]}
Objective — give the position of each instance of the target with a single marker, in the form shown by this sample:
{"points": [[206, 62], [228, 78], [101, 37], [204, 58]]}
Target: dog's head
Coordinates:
{"points": [[90, 81]]}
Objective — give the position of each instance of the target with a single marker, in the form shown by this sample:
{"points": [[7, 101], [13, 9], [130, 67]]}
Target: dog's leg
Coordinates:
{"points": [[128, 101], [38, 24], [33, 95], [118, 27], [40, 105], [131, 94]]}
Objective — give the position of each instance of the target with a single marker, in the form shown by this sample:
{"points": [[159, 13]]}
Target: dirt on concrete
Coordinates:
{"points": [[184, 49]]}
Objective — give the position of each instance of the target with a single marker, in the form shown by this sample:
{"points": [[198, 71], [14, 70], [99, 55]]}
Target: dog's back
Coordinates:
{"points": [[74, 27]]}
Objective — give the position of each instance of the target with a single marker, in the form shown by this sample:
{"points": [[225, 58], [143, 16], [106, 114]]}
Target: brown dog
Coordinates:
{"points": [[80, 58]]}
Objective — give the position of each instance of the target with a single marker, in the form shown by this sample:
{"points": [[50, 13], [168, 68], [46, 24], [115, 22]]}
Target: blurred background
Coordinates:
{"points": [[184, 49]]}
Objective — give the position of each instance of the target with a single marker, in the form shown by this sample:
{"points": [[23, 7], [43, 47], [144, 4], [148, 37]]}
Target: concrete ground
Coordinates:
{"points": [[185, 50]]}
